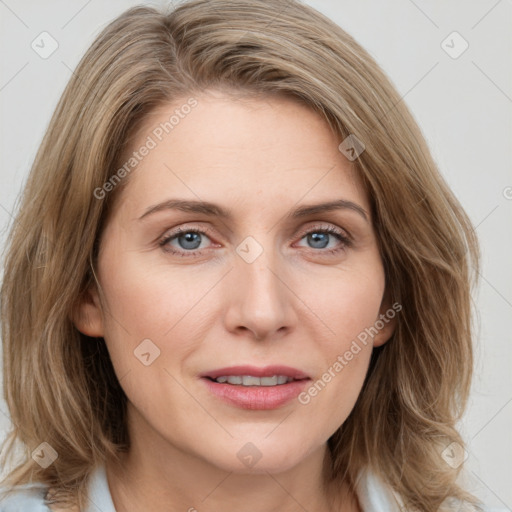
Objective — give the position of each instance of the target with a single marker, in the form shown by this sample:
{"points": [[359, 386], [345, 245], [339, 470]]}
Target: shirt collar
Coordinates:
{"points": [[100, 499], [374, 495]]}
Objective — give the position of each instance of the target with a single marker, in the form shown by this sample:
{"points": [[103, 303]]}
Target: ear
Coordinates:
{"points": [[87, 316], [385, 323]]}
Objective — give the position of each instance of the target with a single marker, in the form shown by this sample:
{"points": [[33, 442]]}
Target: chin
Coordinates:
{"points": [[260, 456]]}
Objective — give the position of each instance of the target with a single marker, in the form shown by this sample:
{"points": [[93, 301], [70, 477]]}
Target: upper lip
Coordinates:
{"points": [[266, 371]]}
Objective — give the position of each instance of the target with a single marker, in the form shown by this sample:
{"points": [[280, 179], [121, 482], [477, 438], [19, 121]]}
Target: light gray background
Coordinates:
{"points": [[463, 106]]}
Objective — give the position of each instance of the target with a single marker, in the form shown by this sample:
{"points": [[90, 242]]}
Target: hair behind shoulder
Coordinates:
{"points": [[59, 384]]}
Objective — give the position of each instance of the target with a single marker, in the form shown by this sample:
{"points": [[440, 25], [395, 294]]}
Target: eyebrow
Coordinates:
{"points": [[212, 209]]}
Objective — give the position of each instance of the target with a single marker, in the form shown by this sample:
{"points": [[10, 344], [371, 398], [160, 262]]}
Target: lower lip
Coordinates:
{"points": [[257, 397]]}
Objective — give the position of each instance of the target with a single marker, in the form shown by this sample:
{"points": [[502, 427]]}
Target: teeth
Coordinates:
{"points": [[249, 380]]}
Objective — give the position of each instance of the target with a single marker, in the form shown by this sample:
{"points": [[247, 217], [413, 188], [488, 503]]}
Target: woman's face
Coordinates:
{"points": [[220, 262]]}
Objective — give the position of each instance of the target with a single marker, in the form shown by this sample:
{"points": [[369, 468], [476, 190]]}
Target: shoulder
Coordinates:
{"points": [[31, 497], [376, 496], [24, 498]]}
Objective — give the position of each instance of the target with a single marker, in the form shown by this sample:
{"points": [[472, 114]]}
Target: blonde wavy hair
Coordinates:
{"points": [[59, 384]]}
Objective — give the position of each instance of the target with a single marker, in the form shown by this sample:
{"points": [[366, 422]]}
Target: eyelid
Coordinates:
{"points": [[323, 226], [172, 233]]}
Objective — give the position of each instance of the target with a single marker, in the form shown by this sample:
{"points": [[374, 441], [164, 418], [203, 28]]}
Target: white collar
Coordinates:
{"points": [[376, 496], [100, 499]]}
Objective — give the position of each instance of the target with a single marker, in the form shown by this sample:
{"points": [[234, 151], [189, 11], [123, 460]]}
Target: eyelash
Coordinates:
{"points": [[340, 235]]}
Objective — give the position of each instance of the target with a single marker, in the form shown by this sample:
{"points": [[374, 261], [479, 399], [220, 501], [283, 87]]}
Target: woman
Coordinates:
{"points": [[236, 279]]}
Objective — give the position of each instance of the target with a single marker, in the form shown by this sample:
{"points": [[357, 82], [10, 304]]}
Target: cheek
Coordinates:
{"points": [[150, 301], [348, 306], [153, 303], [348, 303]]}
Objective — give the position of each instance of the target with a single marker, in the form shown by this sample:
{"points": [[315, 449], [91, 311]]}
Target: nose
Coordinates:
{"points": [[260, 300]]}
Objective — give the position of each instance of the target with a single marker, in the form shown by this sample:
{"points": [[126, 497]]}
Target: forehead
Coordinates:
{"points": [[247, 150]]}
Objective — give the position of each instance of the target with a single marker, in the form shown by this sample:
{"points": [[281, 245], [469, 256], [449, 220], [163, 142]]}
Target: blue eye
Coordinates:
{"points": [[320, 239], [187, 242], [190, 240]]}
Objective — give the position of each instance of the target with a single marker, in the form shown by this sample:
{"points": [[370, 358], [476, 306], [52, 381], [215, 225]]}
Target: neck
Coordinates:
{"points": [[158, 476]]}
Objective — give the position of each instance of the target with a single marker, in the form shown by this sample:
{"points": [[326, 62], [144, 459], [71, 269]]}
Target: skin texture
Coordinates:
{"points": [[295, 305]]}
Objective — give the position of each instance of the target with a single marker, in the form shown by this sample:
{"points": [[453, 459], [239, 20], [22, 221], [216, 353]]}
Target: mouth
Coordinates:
{"points": [[256, 388], [251, 380]]}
